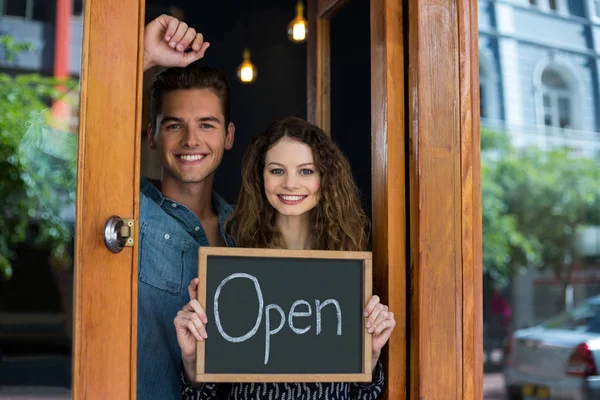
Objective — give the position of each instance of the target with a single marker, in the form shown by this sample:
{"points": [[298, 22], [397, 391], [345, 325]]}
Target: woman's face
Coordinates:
{"points": [[292, 180]]}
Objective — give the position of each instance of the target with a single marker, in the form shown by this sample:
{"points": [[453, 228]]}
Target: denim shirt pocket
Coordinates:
{"points": [[161, 258]]}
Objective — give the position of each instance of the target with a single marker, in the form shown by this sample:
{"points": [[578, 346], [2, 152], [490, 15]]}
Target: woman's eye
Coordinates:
{"points": [[306, 171], [277, 171]]}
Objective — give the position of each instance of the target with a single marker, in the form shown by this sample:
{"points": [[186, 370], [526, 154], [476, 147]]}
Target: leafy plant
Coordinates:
{"points": [[37, 164]]}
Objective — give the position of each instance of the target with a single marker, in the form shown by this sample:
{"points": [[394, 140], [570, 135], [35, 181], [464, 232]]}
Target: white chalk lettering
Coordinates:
{"points": [[267, 311], [260, 308], [294, 313], [320, 306], [268, 330]]}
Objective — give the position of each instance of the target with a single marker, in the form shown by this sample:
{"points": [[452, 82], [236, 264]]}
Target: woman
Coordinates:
{"points": [[297, 193]]}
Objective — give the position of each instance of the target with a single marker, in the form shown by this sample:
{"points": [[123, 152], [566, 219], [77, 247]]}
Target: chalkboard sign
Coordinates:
{"points": [[284, 315]]}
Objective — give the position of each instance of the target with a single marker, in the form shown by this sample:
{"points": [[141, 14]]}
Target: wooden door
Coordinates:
{"points": [[427, 255], [105, 325], [426, 196]]}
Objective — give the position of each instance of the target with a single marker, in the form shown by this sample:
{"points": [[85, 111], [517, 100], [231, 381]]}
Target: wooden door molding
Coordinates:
{"points": [[318, 58], [389, 181], [327, 9], [104, 352], [445, 201]]}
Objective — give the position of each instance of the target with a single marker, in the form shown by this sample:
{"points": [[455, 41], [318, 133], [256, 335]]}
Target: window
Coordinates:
{"points": [[39, 10], [17, 8], [483, 108], [483, 93], [43, 10], [557, 100], [539, 161], [78, 7], [584, 317], [559, 6], [489, 101]]}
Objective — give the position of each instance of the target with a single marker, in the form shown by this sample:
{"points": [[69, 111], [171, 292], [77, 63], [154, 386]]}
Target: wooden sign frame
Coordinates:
{"points": [[365, 376]]}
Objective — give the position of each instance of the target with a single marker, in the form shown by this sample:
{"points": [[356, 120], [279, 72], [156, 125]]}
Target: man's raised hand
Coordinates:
{"points": [[166, 43]]}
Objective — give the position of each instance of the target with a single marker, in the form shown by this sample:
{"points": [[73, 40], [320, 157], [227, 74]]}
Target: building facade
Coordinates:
{"points": [[539, 71]]}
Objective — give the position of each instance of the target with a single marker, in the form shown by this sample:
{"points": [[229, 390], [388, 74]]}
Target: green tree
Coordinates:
{"points": [[506, 248], [535, 204], [37, 164]]}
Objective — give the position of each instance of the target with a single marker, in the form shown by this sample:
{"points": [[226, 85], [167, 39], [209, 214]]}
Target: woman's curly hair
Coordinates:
{"points": [[338, 220]]}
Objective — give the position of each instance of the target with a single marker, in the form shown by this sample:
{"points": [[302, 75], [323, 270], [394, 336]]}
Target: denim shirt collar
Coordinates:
{"points": [[182, 213]]}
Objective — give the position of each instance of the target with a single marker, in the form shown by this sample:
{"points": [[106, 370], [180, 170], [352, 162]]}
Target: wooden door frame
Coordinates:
{"points": [[388, 178], [446, 335], [427, 256], [319, 13], [105, 326], [388, 154]]}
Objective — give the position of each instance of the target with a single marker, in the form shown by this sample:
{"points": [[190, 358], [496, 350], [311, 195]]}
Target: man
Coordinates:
{"points": [[190, 128]]}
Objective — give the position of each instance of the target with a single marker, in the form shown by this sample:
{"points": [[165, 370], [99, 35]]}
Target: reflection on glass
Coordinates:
{"points": [[38, 149], [541, 205]]}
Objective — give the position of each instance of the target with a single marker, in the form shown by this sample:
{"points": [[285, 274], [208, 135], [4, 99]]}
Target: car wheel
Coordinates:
{"points": [[513, 394]]}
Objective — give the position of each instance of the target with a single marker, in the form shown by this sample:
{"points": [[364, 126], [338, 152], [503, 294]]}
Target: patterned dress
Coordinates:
{"points": [[286, 391]]}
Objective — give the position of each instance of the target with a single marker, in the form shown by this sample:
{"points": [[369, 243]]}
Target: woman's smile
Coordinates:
{"points": [[290, 199]]}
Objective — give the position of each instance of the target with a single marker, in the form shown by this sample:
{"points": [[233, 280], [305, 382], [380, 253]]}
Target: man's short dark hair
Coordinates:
{"points": [[191, 77]]}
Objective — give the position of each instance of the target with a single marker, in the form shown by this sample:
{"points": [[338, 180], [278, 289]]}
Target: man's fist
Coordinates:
{"points": [[166, 40]]}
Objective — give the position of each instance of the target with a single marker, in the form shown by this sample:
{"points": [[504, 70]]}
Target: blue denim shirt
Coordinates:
{"points": [[168, 260]]}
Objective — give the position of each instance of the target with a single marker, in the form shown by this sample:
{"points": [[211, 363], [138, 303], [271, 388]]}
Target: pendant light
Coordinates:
{"points": [[247, 71], [297, 28]]}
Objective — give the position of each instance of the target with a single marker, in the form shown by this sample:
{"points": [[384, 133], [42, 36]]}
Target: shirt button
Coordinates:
{"points": [[197, 228], [167, 236], [173, 205]]}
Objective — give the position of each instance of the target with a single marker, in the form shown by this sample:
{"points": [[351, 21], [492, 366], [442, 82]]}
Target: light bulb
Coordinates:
{"points": [[247, 71], [299, 31], [297, 28], [247, 74]]}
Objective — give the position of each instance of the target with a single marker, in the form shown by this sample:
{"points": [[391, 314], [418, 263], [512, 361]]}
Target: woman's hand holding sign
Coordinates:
{"points": [[190, 325], [380, 323]]}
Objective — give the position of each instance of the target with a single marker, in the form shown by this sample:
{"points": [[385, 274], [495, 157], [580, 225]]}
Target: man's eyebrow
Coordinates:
{"points": [[210, 119], [168, 118]]}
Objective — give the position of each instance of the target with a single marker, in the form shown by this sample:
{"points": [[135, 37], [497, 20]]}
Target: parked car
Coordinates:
{"points": [[558, 359]]}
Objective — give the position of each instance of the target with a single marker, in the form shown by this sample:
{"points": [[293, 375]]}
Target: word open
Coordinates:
{"points": [[269, 331]]}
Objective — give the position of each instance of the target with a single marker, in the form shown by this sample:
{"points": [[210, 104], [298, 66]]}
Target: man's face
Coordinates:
{"points": [[191, 135]]}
